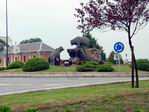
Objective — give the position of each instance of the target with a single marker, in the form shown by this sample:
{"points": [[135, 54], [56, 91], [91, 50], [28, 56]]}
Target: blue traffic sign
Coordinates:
{"points": [[119, 47]]}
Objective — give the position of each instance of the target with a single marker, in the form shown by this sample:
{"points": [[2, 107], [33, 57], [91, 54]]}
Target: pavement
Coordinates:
{"points": [[15, 85]]}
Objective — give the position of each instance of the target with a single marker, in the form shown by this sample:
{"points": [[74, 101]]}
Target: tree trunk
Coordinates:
{"points": [[132, 58], [132, 68], [134, 63], [136, 70]]}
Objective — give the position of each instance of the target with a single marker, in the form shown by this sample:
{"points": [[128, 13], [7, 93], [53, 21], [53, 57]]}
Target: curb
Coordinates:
{"points": [[70, 74]]}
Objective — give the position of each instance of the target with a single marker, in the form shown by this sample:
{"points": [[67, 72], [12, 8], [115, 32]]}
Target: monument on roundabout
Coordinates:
{"points": [[82, 52], [54, 58]]}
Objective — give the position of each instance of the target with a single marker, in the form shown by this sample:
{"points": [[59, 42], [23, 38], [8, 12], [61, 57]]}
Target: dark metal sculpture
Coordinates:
{"points": [[55, 56], [80, 42], [77, 53]]}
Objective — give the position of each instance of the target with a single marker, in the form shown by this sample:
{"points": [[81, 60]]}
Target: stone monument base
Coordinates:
{"points": [[79, 55]]}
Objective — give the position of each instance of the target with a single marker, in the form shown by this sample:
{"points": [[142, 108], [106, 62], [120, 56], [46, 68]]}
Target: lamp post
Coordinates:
{"points": [[7, 58]]}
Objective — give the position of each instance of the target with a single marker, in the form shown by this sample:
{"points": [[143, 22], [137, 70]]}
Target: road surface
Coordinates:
{"points": [[21, 85]]}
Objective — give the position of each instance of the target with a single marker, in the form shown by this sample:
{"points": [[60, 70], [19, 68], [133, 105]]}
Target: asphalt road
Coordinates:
{"points": [[21, 85]]}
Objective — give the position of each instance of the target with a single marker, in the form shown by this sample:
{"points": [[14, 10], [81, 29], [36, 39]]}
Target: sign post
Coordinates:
{"points": [[118, 48]]}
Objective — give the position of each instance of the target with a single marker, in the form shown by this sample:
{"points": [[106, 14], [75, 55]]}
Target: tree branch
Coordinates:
{"points": [[136, 26]]}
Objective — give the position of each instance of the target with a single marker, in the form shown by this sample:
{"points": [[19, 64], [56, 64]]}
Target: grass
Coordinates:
{"points": [[117, 68], [51, 69], [101, 98], [18, 70], [62, 69], [122, 68]]}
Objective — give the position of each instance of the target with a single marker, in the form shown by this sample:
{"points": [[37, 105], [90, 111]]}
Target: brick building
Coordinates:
{"points": [[24, 52]]}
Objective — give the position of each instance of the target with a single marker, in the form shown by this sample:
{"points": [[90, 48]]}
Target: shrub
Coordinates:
{"points": [[87, 66], [5, 109], [94, 66], [67, 110], [2, 68], [16, 65], [104, 68], [31, 110], [143, 64], [36, 64]]}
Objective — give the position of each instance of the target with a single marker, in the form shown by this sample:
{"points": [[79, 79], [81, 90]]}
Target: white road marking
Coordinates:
{"points": [[23, 84], [5, 84]]}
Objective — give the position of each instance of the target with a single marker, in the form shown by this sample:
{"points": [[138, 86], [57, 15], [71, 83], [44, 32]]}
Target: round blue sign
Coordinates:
{"points": [[119, 47]]}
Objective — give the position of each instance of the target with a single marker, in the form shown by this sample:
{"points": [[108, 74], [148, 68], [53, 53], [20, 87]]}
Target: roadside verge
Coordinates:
{"points": [[69, 74]]}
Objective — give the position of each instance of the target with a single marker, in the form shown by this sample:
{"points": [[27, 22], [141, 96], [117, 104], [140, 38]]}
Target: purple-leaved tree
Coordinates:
{"points": [[127, 15]]}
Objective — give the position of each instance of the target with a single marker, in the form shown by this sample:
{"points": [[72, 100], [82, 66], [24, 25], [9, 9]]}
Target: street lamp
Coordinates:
{"points": [[7, 58]]}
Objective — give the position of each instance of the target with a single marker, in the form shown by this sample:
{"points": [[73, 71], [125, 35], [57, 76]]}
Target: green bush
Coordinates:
{"points": [[2, 68], [16, 65], [143, 64], [36, 64], [31, 110], [94, 66], [5, 109], [67, 110], [104, 68], [87, 66]]}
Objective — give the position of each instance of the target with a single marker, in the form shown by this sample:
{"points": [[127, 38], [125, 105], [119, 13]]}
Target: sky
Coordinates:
{"points": [[53, 21]]}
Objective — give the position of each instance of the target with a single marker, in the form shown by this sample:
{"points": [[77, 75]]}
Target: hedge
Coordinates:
{"points": [[36, 64], [94, 66], [143, 64], [87, 66], [2, 68], [16, 65], [5, 109], [31, 110], [104, 68]]}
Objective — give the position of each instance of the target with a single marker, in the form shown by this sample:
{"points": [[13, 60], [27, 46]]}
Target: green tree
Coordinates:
{"points": [[103, 56], [31, 40], [93, 41], [94, 44], [124, 15], [2, 45], [111, 58]]}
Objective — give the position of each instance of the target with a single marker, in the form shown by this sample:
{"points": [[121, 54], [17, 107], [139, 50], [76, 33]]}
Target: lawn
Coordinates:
{"points": [[117, 68], [101, 98], [121, 68], [18, 70], [62, 69]]}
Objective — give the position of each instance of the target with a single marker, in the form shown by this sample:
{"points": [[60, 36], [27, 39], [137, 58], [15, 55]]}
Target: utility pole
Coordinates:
{"points": [[7, 58]]}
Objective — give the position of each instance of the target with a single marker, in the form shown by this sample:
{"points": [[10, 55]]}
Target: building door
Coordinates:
{"points": [[16, 59]]}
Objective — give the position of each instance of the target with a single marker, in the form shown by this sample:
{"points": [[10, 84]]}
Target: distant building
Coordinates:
{"points": [[24, 52]]}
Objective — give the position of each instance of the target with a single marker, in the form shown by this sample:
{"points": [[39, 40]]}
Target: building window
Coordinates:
{"points": [[24, 58]]}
